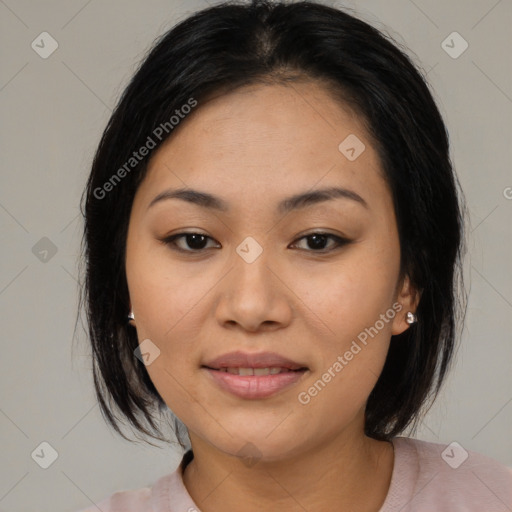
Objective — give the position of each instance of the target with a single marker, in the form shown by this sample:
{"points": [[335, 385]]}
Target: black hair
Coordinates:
{"points": [[225, 47]]}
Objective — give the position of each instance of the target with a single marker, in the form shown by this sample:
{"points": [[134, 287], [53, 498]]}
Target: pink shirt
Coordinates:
{"points": [[427, 477]]}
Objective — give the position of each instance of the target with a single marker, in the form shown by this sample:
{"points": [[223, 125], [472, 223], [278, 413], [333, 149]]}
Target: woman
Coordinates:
{"points": [[273, 240]]}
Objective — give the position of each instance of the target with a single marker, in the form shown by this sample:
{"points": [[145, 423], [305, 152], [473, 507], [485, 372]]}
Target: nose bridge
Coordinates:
{"points": [[250, 274], [251, 293]]}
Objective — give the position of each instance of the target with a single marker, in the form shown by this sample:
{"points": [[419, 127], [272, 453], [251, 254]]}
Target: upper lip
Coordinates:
{"points": [[241, 359]]}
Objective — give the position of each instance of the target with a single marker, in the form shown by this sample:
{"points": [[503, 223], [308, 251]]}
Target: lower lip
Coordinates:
{"points": [[255, 386]]}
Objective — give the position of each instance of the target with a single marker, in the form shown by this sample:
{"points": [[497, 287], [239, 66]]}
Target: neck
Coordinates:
{"points": [[349, 472]]}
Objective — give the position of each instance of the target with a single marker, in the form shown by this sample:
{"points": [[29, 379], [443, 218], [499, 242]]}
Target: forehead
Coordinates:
{"points": [[264, 139]]}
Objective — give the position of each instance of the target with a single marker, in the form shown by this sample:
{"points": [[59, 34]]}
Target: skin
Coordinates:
{"points": [[252, 148]]}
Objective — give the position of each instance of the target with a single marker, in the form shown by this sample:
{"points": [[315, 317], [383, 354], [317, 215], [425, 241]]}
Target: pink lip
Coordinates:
{"points": [[241, 359], [254, 386]]}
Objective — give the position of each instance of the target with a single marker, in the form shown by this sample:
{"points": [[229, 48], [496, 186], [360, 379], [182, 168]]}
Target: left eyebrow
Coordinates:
{"points": [[305, 199], [297, 201]]}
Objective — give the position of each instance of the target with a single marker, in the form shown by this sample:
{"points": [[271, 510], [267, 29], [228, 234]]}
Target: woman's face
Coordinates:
{"points": [[259, 281]]}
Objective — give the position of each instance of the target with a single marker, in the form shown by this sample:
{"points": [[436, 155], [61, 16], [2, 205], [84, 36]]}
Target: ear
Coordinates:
{"points": [[130, 321], [409, 297]]}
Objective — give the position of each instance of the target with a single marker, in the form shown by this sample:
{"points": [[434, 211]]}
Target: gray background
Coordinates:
{"points": [[53, 112]]}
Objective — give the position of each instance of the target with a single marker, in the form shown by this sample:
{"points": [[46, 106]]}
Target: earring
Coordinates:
{"points": [[131, 316], [411, 318]]}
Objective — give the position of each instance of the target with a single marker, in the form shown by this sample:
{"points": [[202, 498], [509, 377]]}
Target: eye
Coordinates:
{"points": [[196, 241], [317, 241]]}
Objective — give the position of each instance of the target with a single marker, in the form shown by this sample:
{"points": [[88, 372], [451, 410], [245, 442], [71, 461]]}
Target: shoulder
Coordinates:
{"points": [[137, 500], [449, 477], [168, 491]]}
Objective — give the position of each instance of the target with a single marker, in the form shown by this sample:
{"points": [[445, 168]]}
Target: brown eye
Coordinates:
{"points": [[195, 242], [317, 241]]}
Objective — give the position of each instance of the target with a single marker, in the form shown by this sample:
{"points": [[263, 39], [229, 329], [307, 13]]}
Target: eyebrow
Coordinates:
{"points": [[297, 201]]}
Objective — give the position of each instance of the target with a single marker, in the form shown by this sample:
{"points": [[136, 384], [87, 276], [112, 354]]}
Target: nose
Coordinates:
{"points": [[253, 296]]}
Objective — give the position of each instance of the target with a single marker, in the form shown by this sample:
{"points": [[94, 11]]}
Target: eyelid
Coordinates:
{"points": [[340, 241], [169, 241]]}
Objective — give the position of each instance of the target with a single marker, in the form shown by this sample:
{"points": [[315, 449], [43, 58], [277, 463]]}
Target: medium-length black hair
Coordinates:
{"points": [[225, 47]]}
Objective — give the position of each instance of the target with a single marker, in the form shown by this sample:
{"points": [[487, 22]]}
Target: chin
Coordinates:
{"points": [[258, 445]]}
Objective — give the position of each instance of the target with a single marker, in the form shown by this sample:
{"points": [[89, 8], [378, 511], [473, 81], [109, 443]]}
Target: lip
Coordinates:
{"points": [[254, 386], [239, 359]]}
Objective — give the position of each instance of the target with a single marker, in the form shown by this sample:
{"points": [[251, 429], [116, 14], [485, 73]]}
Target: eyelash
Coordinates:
{"points": [[340, 241]]}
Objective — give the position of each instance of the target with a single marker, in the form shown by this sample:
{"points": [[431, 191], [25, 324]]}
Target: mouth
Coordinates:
{"points": [[254, 375], [254, 383], [247, 362], [269, 370]]}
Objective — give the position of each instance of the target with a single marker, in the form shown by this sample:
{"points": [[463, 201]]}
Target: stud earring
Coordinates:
{"points": [[131, 316], [411, 318]]}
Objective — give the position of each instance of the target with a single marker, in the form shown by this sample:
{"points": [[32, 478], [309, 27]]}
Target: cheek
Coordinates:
{"points": [[349, 296], [167, 306], [351, 357], [167, 296], [353, 308]]}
